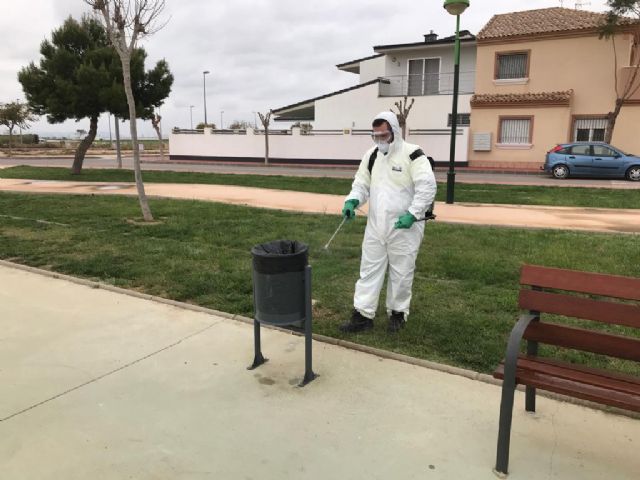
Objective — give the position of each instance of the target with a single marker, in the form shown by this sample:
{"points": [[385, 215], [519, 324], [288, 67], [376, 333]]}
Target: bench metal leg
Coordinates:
{"points": [[508, 392], [530, 399], [504, 429], [530, 392]]}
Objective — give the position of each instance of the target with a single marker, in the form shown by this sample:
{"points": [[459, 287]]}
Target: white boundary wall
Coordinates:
{"points": [[319, 147]]}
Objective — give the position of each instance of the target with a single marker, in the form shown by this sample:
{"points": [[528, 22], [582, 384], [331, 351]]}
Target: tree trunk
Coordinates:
{"points": [[611, 120], [266, 145], [118, 148], [142, 197], [86, 142], [155, 121], [10, 140]]}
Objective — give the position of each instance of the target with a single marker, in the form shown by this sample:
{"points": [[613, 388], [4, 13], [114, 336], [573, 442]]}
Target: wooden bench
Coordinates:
{"points": [[569, 293]]}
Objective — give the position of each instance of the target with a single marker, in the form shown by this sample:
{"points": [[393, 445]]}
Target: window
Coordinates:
{"points": [[464, 120], [512, 65], [602, 151], [424, 76], [515, 130], [581, 150], [589, 129]]}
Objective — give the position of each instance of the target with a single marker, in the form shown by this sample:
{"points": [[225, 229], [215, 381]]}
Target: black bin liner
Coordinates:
{"points": [[278, 281]]}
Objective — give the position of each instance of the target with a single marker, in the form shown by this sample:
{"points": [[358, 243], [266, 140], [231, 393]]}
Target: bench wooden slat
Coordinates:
{"points": [[623, 377], [585, 340], [589, 376], [575, 389], [577, 307], [615, 286]]}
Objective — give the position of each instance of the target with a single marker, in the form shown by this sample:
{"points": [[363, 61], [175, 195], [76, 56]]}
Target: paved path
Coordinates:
{"points": [[101, 385], [571, 218]]}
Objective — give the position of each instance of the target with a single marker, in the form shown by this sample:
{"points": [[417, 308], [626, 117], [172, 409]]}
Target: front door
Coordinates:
{"points": [[606, 162]]}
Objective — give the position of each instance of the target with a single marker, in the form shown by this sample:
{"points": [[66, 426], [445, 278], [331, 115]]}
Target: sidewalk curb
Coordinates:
{"points": [[385, 354]]}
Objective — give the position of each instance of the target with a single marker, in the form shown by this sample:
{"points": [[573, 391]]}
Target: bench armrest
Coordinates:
{"points": [[513, 349]]}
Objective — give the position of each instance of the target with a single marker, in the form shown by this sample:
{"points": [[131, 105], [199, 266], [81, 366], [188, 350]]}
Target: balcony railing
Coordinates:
{"points": [[428, 84]]}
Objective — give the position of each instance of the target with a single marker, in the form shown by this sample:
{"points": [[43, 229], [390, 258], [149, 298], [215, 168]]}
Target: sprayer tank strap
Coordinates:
{"points": [[416, 154]]}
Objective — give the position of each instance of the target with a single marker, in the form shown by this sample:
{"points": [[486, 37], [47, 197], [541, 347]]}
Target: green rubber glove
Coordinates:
{"points": [[405, 221], [349, 209]]}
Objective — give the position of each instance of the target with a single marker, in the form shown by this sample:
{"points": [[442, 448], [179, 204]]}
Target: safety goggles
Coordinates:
{"points": [[381, 136]]}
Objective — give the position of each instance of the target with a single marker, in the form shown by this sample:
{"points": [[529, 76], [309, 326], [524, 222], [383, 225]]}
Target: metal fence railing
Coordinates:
{"points": [[426, 84]]}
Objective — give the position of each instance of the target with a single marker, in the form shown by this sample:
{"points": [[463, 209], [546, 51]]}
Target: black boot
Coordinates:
{"points": [[396, 321], [357, 323]]}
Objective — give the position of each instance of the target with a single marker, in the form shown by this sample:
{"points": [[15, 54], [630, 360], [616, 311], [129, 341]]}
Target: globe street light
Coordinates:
{"points": [[454, 7], [204, 89]]}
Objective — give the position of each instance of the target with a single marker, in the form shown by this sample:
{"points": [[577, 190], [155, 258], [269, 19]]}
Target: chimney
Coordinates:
{"points": [[430, 37]]}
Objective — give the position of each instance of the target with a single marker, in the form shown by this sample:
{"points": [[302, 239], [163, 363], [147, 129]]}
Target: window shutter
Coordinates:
{"points": [[515, 130], [512, 66]]}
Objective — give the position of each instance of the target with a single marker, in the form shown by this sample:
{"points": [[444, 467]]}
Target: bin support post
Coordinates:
{"points": [[258, 359], [308, 370]]}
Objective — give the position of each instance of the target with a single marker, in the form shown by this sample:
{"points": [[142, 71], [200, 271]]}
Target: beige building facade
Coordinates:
{"points": [[544, 77]]}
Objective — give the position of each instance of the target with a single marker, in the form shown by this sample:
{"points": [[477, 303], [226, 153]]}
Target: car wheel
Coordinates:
{"points": [[633, 173], [560, 171]]}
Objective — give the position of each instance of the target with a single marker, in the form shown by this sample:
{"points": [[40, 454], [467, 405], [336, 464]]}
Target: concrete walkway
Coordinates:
{"points": [[523, 216], [101, 385]]}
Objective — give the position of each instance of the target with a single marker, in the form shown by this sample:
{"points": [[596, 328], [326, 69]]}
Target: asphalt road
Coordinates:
{"points": [[462, 175]]}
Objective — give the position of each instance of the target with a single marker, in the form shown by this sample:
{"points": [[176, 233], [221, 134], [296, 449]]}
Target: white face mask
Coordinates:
{"points": [[382, 146]]}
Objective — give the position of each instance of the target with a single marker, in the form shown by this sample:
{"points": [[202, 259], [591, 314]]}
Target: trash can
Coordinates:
{"points": [[282, 293], [279, 282]]}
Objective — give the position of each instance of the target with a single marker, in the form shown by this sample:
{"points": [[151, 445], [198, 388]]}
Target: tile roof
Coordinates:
{"points": [[488, 99], [545, 20]]}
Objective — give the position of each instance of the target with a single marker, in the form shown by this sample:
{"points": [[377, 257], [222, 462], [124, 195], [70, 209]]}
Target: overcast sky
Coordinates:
{"points": [[262, 54]]}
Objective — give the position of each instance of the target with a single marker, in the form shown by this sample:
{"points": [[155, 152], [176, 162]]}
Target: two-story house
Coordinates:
{"points": [[422, 71], [545, 77]]}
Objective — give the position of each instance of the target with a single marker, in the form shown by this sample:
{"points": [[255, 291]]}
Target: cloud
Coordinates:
{"points": [[261, 53]]}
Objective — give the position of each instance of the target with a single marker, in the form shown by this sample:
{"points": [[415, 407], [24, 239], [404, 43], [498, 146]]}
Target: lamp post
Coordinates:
{"points": [[204, 90], [255, 120], [191, 115], [454, 7], [221, 121]]}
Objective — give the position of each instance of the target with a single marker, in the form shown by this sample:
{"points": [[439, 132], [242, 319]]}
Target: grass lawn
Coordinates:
{"points": [[464, 292], [503, 194]]}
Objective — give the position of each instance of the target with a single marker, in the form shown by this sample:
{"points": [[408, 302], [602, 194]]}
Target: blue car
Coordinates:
{"points": [[591, 159]]}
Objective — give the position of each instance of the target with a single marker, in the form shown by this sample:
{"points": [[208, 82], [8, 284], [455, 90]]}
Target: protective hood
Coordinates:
{"points": [[395, 128]]}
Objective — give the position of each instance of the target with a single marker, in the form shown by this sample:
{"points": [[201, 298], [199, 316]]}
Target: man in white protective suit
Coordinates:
{"points": [[397, 180]]}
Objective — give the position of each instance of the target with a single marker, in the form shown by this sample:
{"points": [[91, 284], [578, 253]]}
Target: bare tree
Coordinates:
{"points": [[403, 114], [265, 119], [126, 21], [617, 22], [155, 121]]}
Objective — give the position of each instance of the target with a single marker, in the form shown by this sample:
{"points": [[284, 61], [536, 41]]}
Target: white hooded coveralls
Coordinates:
{"points": [[396, 185]]}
